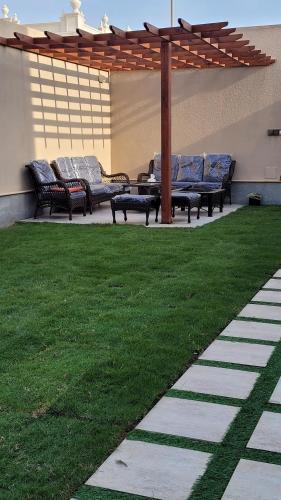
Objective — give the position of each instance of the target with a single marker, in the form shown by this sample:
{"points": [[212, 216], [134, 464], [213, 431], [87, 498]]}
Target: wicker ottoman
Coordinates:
{"points": [[184, 200], [142, 202]]}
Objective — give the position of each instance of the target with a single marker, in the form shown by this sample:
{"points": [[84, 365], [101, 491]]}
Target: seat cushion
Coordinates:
{"points": [[65, 168], [183, 185], [75, 189], [157, 167], [207, 186], [217, 167], [42, 171], [115, 187], [78, 194], [188, 196], [190, 168], [95, 169], [100, 189], [138, 199], [60, 195]]}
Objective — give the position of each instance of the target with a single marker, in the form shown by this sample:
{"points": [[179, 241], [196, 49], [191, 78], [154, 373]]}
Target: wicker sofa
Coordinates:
{"points": [[100, 187], [199, 172]]}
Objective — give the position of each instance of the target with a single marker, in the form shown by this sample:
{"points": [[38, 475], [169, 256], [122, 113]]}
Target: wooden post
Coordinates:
{"points": [[166, 132]]}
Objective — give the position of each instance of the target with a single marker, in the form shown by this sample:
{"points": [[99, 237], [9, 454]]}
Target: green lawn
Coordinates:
{"points": [[97, 322]]}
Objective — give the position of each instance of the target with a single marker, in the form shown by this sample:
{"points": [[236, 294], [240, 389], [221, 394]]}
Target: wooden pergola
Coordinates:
{"points": [[187, 46]]}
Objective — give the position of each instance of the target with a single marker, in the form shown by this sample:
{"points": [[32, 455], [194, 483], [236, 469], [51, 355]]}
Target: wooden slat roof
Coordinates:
{"points": [[193, 46]]}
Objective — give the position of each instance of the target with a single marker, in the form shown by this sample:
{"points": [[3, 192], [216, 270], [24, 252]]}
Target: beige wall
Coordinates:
{"points": [[216, 110], [49, 109]]}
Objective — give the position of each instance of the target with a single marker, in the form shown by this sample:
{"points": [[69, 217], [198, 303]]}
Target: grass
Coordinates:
{"points": [[98, 322]]}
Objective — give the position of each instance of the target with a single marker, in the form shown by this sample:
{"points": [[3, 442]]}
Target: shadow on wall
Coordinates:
{"points": [[50, 108], [69, 103]]}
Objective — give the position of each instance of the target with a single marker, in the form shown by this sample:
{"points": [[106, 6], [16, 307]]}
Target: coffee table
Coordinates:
{"points": [[213, 197], [153, 188], [150, 187]]}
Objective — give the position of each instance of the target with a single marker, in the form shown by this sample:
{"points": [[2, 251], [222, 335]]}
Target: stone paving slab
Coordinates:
{"points": [[253, 330], [273, 283], [278, 274], [262, 312], [268, 296], [276, 396], [151, 470], [217, 381], [254, 481], [267, 434], [238, 352], [191, 419]]}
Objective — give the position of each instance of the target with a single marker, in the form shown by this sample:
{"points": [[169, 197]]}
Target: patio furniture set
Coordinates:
{"points": [[81, 182]]}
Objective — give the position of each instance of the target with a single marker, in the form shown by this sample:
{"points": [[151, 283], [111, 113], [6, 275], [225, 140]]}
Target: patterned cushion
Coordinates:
{"points": [[182, 184], [216, 168], [100, 189], [157, 167], [78, 194], [207, 186], [115, 187], [187, 196], [142, 199], [95, 170], [190, 168], [42, 171], [66, 168], [82, 169]]}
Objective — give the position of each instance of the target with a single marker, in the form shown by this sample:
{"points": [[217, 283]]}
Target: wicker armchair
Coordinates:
{"points": [[100, 187], [53, 193]]}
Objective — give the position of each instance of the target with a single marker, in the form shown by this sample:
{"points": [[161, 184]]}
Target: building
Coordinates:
{"points": [[66, 25]]}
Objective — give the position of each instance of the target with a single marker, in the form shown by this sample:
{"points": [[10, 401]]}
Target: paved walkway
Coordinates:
{"points": [[217, 433], [103, 215]]}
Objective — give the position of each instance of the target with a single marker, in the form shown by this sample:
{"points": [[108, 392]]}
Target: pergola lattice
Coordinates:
{"points": [[187, 46]]}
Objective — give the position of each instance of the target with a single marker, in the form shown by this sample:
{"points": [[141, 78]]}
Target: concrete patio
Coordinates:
{"points": [[103, 215]]}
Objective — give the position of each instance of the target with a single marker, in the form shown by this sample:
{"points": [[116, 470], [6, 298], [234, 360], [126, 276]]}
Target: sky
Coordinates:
{"points": [[134, 12]]}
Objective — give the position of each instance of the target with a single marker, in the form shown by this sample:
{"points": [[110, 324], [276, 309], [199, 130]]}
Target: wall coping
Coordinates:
{"points": [[16, 192], [257, 181]]}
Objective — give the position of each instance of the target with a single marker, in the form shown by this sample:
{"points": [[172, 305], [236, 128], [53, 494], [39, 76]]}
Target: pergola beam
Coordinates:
{"points": [[191, 29], [149, 50], [157, 33], [192, 46], [122, 35]]}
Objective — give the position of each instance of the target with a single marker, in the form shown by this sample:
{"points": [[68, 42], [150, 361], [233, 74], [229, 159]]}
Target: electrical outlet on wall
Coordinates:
{"points": [[270, 173]]}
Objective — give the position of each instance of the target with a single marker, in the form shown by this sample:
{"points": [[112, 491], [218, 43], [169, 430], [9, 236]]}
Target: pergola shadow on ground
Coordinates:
{"points": [[201, 46]]}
